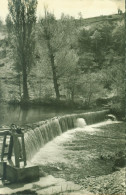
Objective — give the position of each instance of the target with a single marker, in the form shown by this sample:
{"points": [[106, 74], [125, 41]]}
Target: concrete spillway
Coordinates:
{"points": [[44, 132], [48, 130]]}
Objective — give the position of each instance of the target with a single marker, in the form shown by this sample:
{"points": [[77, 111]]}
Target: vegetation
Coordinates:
{"points": [[21, 22], [73, 62], [49, 31]]}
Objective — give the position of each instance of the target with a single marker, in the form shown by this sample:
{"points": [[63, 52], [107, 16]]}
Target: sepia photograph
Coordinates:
{"points": [[62, 97]]}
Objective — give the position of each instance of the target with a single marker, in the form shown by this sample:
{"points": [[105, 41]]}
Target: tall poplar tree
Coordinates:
{"points": [[23, 17]]}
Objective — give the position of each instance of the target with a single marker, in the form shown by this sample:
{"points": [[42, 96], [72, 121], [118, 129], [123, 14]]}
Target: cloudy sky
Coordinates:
{"points": [[88, 8]]}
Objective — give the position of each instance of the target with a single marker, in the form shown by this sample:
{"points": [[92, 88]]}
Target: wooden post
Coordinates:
{"points": [[16, 150], [18, 145], [23, 149], [3, 147], [10, 150]]}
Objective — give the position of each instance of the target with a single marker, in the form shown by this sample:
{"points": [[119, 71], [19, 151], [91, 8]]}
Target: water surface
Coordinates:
{"points": [[23, 115]]}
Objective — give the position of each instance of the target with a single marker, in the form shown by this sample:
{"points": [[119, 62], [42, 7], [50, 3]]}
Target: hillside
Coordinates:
{"points": [[72, 57]]}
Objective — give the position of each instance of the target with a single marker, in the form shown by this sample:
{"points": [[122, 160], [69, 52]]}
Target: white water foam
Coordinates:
{"points": [[80, 122], [54, 151]]}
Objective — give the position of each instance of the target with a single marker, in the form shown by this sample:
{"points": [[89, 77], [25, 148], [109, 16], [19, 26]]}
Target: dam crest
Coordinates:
{"points": [[46, 131]]}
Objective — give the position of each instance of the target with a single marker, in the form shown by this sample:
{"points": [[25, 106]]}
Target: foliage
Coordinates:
{"points": [[1, 92], [77, 61], [1, 22], [103, 49], [22, 16], [49, 28], [9, 25], [57, 42]]}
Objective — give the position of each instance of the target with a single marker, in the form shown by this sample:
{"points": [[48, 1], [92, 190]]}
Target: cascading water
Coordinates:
{"points": [[35, 139], [46, 131], [80, 122]]}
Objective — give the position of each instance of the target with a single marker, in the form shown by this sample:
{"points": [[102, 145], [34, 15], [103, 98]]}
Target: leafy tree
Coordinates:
{"points": [[9, 25], [118, 36], [97, 42], [87, 63], [1, 92], [69, 80], [84, 41], [49, 27], [56, 36], [22, 15]]}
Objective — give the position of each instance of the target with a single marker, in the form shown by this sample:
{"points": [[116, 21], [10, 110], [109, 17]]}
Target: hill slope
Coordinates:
{"points": [[40, 80]]}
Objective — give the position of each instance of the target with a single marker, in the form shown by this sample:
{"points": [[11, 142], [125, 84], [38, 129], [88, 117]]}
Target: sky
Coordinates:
{"points": [[88, 8]]}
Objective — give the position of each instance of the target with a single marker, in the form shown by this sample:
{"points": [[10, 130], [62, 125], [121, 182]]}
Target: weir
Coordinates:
{"points": [[46, 131], [36, 138]]}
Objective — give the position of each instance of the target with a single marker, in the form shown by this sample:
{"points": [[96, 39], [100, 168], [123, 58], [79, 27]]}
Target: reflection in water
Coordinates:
{"points": [[22, 115]]}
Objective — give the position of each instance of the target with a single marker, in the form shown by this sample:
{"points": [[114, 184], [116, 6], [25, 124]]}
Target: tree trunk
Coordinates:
{"points": [[72, 95], [24, 66], [89, 99], [90, 91], [25, 86], [56, 86], [19, 77], [51, 57]]}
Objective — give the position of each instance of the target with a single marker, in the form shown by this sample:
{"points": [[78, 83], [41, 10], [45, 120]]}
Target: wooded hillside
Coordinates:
{"points": [[77, 62]]}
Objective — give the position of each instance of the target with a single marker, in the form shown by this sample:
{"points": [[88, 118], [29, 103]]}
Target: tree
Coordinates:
{"points": [[9, 25], [1, 22], [118, 36], [54, 36], [1, 92], [22, 14], [120, 11], [49, 25], [57, 38], [69, 80], [84, 41]]}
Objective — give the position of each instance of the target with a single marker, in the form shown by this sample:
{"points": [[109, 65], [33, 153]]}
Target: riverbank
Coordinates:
{"points": [[62, 103], [58, 106]]}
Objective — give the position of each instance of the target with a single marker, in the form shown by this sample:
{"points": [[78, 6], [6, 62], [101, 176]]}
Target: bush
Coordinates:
{"points": [[118, 109]]}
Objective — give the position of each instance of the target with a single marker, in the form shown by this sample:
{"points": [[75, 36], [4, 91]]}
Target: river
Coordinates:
{"points": [[24, 115]]}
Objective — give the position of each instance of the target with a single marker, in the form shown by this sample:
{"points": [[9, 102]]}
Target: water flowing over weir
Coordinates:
{"points": [[47, 130]]}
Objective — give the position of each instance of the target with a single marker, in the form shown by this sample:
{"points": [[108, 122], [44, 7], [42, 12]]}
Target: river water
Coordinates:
{"points": [[54, 151], [24, 115]]}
